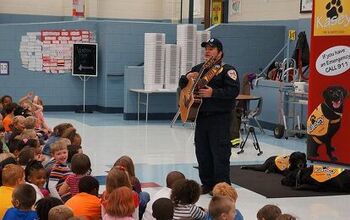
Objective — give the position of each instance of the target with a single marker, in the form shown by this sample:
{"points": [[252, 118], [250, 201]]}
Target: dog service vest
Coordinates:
{"points": [[317, 123], [322, 174], [282, 162]]}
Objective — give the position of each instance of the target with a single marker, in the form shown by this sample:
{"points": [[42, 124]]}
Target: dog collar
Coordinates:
{"points": [[337, 113]]}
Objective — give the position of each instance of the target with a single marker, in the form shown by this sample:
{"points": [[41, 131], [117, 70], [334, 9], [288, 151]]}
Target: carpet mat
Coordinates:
{"points": [[269, 184]]}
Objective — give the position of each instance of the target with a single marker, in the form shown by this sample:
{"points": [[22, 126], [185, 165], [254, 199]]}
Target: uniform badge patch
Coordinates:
{"points": [[232, 74]]}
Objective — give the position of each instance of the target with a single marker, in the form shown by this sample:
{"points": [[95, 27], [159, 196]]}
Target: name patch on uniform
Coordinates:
{"points": [[232, 74]]}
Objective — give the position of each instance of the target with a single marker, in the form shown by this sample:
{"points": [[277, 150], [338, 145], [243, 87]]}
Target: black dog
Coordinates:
{"points": [[324, 122], [275, 164], [319, 178]]}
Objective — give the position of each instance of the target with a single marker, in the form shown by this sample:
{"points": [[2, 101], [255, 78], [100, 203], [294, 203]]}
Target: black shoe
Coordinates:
{"points": [[205, 189]]}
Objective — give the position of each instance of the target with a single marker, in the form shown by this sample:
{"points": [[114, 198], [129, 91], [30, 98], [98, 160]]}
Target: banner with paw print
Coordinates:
{"points": [[331, 17], [328, 124]]}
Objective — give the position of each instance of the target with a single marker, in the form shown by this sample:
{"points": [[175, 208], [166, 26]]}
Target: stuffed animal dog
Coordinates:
{"points": [[280, 164], [319, 178], [324, 122]]}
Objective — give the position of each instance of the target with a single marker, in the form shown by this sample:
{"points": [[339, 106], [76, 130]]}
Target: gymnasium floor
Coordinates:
{"points": [[157, 149]]}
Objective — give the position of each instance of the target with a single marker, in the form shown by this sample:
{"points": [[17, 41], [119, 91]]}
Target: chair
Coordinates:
{"points": [[253, 114]]}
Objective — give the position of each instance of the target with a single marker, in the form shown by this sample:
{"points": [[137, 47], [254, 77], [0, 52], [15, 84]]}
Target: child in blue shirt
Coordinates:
{"points": [[23, 199]]}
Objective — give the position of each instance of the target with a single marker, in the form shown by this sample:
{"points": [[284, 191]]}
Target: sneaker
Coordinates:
{"points": [[205, 189]]}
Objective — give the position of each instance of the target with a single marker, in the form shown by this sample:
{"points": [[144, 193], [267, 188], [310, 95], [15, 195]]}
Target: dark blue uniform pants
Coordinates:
{"points": [[213, 148]]}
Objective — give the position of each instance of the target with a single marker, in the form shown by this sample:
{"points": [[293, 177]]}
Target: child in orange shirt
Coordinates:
{"points": [[8, 119], [12, 175], [86, 203]]}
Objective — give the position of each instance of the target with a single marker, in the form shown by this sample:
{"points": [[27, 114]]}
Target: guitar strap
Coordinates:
{"points": [[216, 71]]}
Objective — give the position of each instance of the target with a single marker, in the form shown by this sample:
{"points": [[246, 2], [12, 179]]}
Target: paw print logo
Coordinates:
{"points": [[334, 8]]}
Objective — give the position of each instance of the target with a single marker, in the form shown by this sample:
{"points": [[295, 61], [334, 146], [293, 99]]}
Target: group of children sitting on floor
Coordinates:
{"points": [[45, 175]]}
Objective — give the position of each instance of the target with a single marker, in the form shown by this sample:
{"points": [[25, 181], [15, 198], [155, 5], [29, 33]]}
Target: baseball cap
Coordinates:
{"points": [[213, 42]]}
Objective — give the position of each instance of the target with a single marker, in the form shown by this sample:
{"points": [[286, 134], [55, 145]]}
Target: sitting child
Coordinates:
{"points": [[224, 189], [86, 203], [60, 212], [17, 127], [37, 148], [4, 100], [120, 205], [9, 115], [29, 122], [26, 155], [118, 177], [128, 164], [222, 208], [73, 150], [43, 206], [50, 161], [12, 175], [269, 212], [184, 196], [23, 199], [163, 209], [164, 192], [60, 170], [71, 134], [40, 123], [56, 135], [3, 145], [81, 166], [36, 177]]}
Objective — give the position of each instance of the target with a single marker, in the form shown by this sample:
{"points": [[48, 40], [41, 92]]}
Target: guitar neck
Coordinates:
{"points": [[200, 81]]}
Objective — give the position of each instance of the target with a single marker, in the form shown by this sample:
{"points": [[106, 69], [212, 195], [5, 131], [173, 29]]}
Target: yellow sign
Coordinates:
{"points": [[216, 12], [291, 34], [332, 18]]}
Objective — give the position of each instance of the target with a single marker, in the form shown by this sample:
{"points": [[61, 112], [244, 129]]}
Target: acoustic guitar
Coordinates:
{"points": [[189, 101]]}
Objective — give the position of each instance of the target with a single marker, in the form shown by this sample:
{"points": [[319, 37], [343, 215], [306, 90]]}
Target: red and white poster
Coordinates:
{"points": [[328, 123], [78, 8], [51, 50]]}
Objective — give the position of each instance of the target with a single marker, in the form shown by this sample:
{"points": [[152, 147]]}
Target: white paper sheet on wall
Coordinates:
{"points": [[50, 51]]}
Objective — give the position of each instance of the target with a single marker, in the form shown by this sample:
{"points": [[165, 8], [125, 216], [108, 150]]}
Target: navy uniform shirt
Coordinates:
{"points": [[225, 87]]}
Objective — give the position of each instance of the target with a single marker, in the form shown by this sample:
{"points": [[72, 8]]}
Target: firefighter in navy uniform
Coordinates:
{"points": [[212, 134]]}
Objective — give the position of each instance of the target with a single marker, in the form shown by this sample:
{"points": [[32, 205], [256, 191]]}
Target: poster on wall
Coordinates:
{"points": [[78, 8], [235, 7], [328, 124], [51, 50], [305, 6], [216, 12], [4, 68]]}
